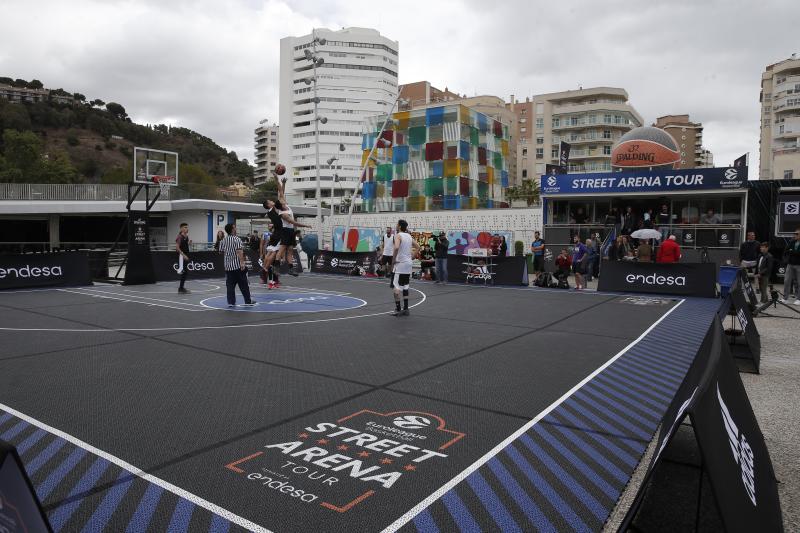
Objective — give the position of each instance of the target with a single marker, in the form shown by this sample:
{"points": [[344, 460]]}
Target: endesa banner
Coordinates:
{"points": [[200, 265], [679, 279], [671, 180], [327, 262], [43, 270]]}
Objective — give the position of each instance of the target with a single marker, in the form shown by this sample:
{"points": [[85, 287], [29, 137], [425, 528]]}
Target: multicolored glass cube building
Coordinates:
{"points": [[443, 157]]}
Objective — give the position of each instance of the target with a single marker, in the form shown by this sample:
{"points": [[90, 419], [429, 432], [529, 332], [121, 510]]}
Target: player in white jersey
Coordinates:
{"points": [[405, 249]]}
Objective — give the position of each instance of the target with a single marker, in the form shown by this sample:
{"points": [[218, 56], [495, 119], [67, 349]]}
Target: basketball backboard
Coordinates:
{"points": [[155, 167]]}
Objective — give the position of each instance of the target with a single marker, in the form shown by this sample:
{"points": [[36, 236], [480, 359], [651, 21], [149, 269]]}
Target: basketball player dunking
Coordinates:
{"points": [[404, 250]]}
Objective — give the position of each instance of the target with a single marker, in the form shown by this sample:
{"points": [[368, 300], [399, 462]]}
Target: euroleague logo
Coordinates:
{"points": [[731, 174], [334, 262], [411, 422], [552, 180], [193, 265]]}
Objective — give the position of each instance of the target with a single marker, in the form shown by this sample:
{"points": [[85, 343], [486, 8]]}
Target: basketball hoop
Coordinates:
{"points": [[163, 184]]}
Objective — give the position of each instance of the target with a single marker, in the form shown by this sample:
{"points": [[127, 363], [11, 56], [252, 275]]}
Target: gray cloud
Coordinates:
{"points": [[213, 66]]}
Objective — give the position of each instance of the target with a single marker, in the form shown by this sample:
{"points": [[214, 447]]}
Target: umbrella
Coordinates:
{"points": [[646, 233]]}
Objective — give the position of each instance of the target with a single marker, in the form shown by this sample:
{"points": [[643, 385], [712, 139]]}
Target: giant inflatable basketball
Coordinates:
{"points": [[646, 147]]}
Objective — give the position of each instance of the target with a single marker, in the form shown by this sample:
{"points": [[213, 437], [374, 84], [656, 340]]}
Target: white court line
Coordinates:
{"points": [[127, 298], [264, 305], [400, 522], [214, 288], [196, 328], [166, 485]]}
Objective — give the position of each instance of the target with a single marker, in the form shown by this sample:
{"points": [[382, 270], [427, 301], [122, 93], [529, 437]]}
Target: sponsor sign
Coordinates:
{"points": [[200, 265], [343, 262], [734, 453], [670, 180], [20, 510], [510, 270], [138, 267], [358, 463], [680, 279], [44, 270]]}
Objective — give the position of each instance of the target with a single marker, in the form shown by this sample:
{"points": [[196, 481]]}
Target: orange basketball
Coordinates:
{"points": [[280, 170], [646, 146]]}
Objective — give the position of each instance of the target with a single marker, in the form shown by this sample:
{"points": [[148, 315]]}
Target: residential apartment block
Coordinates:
{"points": [[688, 138], [780, 120], [267, 154]]}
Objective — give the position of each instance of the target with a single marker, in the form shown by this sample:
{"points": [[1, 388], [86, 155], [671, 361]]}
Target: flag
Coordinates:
{"points": [[741, 161], [563, 155]]}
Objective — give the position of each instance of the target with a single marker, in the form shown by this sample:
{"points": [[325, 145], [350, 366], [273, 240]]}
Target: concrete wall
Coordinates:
{"points": [[523, 221], [198, 221]]}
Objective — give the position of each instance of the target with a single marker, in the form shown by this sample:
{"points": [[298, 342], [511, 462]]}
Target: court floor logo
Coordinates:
{"points": [[411, 422]]}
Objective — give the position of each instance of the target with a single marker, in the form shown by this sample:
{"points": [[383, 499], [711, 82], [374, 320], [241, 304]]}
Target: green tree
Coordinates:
{"points": [[19, 82], [191, 173], [5, 80], [15, 117], [97, 103], [117, 110], [117, 175], [528, 191], [35, 84], [101, 125], [79, 97], [56, 169], [22, 150]]}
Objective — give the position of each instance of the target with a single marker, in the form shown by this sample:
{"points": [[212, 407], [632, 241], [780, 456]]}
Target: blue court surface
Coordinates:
{"points": [[135, 408]]}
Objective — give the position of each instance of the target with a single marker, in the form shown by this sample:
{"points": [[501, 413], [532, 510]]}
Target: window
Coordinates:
{"points": [[539, 123], [556, 122], [524, 152], [540, 168], [539, 109], [606, 134], [554, 153], [607, 119], [540, 153], [524, 173], [523, 130], [766, 123], [606, 150], [573, 121], [788, 174], [524, 110], [539, 140]]}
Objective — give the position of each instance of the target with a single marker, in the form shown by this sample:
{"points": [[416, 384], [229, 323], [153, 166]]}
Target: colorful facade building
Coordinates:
{"points": [[440, 157]]}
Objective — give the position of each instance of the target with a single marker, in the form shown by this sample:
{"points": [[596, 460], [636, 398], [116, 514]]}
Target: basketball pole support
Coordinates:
{"points": [[134, 189]]}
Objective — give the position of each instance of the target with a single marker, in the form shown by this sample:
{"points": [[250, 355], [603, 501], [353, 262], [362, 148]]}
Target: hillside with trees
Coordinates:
{"points": [[91, 141]]}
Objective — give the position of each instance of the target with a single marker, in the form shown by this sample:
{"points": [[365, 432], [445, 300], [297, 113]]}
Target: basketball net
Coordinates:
{"points": [[163, 184]]}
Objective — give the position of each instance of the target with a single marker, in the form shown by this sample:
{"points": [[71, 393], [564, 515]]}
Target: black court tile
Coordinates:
{"points": [[374, 350], [33, 299], [32, 320], [148, 401], [264, 484], [26, 343], [519, 377]]}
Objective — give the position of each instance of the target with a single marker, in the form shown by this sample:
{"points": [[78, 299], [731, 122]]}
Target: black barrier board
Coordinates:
{"points": [[139, 267], [734, 452], [328, 262], [747, 288], [680, 279], [20, 510], [739, 307], [200, 265], [510, 270], [44, 270]]}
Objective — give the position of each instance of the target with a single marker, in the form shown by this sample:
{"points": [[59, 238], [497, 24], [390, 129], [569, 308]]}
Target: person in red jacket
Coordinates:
{"points": [[669, 251]]}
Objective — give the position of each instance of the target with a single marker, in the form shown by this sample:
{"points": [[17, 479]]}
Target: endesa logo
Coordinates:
{"points": [[30, 272], [193, 265], [656, 279]]}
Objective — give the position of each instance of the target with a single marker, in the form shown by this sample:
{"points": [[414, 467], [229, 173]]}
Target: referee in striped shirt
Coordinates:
{"points": [[235, 267]]}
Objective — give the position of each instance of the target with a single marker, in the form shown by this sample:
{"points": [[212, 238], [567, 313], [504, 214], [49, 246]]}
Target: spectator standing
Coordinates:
{"points": [[579, 256], [792, 273], [629, 222], [669, 251], [440, 252], [235, 266], [765, 264], [663, 221], [220, 236], [182, 247], [503, 246], [613, 250], [387, 250], [749, 251], [649, 218], [310, 245], [591, 253], [710, 217], [255, 242], [537, 247]]}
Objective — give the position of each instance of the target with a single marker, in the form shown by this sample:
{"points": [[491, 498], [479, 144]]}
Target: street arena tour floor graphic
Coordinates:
{"points": [[135, 408]]}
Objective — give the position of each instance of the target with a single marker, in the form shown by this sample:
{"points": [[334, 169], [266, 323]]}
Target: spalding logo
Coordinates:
{"points": [[411, 422]]}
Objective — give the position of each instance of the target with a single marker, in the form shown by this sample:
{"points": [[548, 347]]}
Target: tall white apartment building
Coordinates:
{"points": [[267, 154], [590, 120], [357, 80], [780, 120]]}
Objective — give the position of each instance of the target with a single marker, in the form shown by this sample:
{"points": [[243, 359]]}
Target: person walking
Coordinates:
{"points": [[669, 251], [591, 254], [182, 247], [749, 251], [580, 254], [440, 253], [792, 273], [764, 266], [235, 266]]}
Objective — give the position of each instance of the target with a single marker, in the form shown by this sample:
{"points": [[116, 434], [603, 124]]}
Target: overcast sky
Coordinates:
{"points": [[213, 65]]}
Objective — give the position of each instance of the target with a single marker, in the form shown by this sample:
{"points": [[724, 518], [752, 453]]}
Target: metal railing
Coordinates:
{"points": [[115, 192]]}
